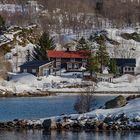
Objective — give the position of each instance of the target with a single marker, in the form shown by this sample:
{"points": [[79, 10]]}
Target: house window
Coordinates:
{"points": [[25, 70], [45, 72], [58, 59], [33, 70], [129, 69], [125, 69], [132, 69], [84, 60], [76, 66], [84, 64], [58, 64], [69, 66], [72, 59]]}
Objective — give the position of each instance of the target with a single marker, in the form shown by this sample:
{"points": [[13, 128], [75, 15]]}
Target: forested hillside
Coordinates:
{"points": [[63, 15]]}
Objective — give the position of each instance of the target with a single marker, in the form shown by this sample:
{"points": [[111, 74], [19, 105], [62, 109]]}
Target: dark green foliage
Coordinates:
{"points": [[102, 56], [93, 65], [100, 39], [45, 43], [113, 67], [2, 24], [82, 44], [28, 56]]}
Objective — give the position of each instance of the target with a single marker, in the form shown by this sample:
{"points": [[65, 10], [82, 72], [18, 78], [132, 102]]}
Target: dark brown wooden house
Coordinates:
{"points": [[69, 60]]}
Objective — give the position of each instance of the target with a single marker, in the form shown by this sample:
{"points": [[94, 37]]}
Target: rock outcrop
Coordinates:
{"points": [[116, 103]]}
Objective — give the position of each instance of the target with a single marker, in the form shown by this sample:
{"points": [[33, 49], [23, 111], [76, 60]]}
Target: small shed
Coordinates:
{"points": [[37, 68]]}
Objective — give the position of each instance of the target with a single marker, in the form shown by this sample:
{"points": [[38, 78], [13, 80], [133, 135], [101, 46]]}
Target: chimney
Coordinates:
{"points": [[68, 49]]}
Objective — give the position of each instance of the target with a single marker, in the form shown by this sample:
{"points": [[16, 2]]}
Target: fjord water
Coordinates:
{"points": [[40, 107], [67, 135]]}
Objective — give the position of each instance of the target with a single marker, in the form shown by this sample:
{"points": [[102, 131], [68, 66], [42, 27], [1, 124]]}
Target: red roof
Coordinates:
{"points": [[67, 54]]}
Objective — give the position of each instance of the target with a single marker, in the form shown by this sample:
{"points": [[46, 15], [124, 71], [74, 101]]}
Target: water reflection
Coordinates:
{"points": [[67, 135]]}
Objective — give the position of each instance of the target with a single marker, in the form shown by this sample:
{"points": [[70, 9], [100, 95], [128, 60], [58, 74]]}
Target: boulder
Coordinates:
{"points": [[47, 124], [116, 103], [53, 125], [102, 126], [76, 126]]}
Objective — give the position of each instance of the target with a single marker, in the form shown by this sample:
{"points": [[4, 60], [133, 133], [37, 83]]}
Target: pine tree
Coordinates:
{"points": [[93, 65], [2, 24], [28, 56], [102, 56], [82, 44], [45, 43], [113, 67]]}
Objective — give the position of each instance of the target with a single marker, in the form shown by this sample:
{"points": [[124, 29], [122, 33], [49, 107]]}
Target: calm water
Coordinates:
{"points": [[33, 108], [54, 135], [40, 107]]}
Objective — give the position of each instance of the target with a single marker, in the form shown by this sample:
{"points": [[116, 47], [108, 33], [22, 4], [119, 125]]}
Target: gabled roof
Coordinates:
{"points": [[125, 61], [67, 54], [35, 63]]}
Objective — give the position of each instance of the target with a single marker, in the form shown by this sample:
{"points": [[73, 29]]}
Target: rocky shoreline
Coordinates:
{"points": [[27, 94], [46, 93], [118, 123]]}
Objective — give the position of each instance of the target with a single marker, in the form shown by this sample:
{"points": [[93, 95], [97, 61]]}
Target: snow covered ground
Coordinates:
{"points": [[25, 82], [67, 82], [131, 111], [125, 83]]}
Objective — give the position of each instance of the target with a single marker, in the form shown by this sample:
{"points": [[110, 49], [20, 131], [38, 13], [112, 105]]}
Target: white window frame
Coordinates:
{"points": [[76, 66], [84, 59], [33, 70], [84, 64], [72, 59], [58, 59], [25, 70], [69, 65], [44, 71]]}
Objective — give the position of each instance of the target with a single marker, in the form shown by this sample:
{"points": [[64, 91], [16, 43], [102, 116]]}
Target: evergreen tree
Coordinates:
{"points": [[113, 67], [45, 43], [102, 56], [82, 44], [2, 24], [28, 56], [93, 65]]}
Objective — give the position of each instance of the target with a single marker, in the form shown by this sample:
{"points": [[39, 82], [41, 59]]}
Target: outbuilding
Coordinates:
{"points": [[37, 68]]}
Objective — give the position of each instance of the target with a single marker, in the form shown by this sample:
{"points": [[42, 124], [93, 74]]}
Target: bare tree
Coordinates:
{"points": [[85, 101], [5, 67]]}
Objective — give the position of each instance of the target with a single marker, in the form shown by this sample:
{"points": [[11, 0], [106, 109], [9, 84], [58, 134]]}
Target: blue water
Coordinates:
{"points": [[40, 107], [67, 135]]}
